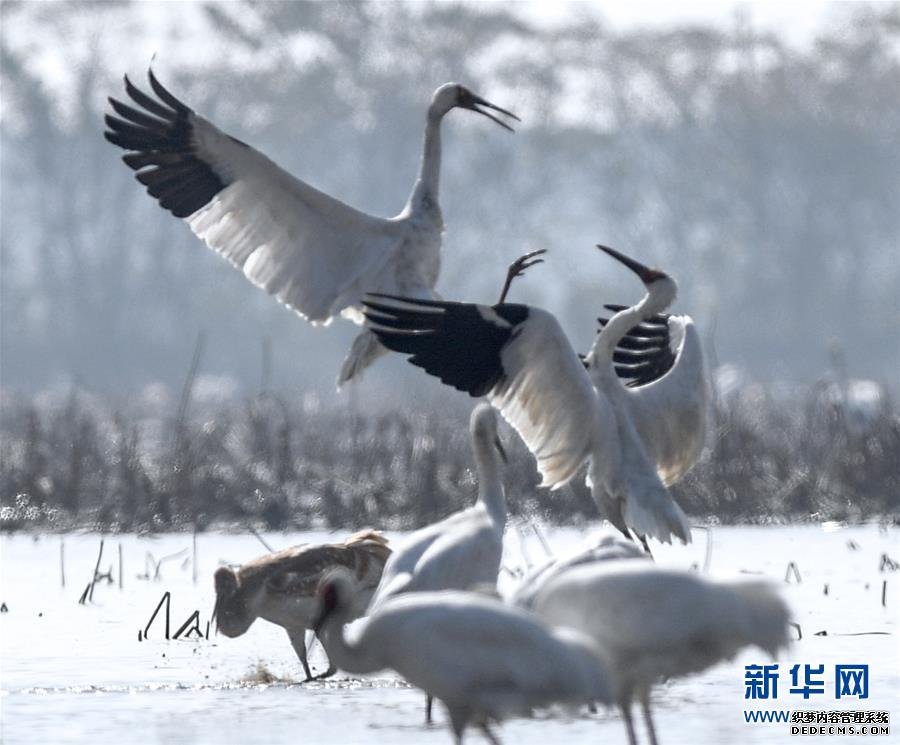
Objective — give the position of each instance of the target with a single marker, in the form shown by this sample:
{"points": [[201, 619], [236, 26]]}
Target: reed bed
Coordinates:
{"points": [[79, 460]]}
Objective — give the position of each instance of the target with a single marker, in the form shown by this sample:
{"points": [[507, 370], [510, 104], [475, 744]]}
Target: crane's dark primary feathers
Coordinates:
{"points": [[159, 138], [644, 354], [456, 342]]}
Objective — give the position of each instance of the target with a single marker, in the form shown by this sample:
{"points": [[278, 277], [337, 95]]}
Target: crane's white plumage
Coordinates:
{"points": [[520, 358], [311, 251], [484, 660], [463, 550], [603, 546], [654, 624], [670, 413], [667, 405], [549, 400]]}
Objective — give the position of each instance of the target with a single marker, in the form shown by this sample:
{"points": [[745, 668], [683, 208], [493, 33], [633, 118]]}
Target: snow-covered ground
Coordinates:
{"points": [[78, 673]]}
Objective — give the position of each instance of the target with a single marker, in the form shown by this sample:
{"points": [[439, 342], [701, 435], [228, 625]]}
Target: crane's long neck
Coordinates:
{"points": [[425, 191], [657, 299], [356, 657], [490, 485]]}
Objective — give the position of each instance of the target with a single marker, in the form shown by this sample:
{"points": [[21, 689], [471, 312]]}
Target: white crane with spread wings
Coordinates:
{"points": [[520, 358], [667, 401], [311, 251]]}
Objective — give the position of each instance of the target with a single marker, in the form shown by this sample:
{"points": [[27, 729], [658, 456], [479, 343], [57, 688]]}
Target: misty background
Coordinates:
{"points": [[763, 174]]}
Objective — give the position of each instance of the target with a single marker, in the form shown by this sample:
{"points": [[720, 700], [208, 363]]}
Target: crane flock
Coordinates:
{"points": [[601, 625]]}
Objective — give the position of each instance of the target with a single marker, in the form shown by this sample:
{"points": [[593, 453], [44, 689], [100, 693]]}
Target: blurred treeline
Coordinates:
{"points": [[829, 452], [765, 177]]}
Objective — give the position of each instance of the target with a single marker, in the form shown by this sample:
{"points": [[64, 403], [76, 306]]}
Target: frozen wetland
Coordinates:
{"points": [[78, 673]]}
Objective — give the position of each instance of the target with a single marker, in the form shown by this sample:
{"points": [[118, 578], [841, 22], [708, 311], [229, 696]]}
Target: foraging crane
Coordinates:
{"points": [[462, 551], [311, 251], [520, 358], [669, 412], [281, 587], [484, 660], [654, 624]]}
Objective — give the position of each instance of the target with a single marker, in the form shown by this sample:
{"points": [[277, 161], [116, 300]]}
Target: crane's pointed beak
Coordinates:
{"points": [[644, 272], [473, 103]]}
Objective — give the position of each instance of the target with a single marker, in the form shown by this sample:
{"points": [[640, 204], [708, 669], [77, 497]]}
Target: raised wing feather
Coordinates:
{"points": [[548, 398], [670, 413], [516, 355], [311, 251]]}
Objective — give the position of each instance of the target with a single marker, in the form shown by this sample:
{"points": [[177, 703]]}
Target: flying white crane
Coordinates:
{"points": [[654, 624], [520, 358], [311, 251], [461, 551], [281, 587], [669, 412], [484, 660]]}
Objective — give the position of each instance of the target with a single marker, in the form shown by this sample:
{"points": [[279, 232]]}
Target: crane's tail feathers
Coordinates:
{"points": [[365, 350], [764, 616], [656, 515]]}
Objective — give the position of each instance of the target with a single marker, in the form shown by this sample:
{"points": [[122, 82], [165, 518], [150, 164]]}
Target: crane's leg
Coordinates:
{"points": [[518, 267], [331, 668], [298, 642], [488, 735], [363, 352], [629, 723], [648, 717], [429, 702]]}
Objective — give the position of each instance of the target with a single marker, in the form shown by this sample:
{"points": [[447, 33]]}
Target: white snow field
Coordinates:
{"points": [[76, 673]]}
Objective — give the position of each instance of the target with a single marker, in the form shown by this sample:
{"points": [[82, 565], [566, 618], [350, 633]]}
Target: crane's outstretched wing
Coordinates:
{"points": [[516, 355], [313, 252], [644, 354], [670, 412], [661, 363]]}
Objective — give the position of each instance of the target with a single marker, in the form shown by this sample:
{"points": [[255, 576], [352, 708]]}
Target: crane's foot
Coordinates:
{"points": [[489, 735], [648, 720], [327, 674], [429, 702], [518, 267]]}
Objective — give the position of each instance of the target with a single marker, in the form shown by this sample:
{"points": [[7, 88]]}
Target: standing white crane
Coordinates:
{"points": [[669, 412], [484, 660], [281, 587], [520, 358], [464, 549], [311, 251], [461, 551], [654, 624]]}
